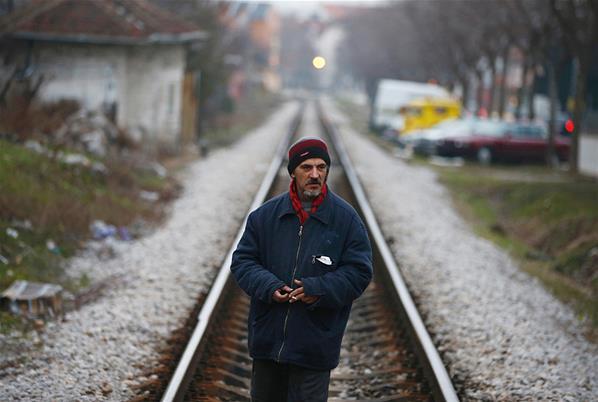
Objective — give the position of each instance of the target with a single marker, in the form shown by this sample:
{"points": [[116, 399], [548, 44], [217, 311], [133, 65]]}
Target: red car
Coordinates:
{"points": [[495, 140]]}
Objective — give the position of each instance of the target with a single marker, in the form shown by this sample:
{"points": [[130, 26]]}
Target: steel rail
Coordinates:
{"points": [[181, 377], [441, 382]]}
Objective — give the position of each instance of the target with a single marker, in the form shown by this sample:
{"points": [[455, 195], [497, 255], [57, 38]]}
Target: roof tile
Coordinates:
{"points": [[125, 19]]}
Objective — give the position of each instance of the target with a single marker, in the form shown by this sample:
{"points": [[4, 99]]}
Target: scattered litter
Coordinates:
{"points": [[35, 147], [447, 162], [3, 259], [51, 245], [88, 131], [102, 230], [151, 196], [98, 167], [94, 142], [34, 299], [124, 234], [26, 224], [12, 233], [71, 158], [76, 159], [159, 169]]}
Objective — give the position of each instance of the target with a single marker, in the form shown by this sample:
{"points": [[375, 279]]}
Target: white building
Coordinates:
{"points": [[127, 58]]}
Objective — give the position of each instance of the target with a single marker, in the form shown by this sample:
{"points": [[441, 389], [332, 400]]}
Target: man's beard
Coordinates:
{"points": [[309, 194], [312, 194]]}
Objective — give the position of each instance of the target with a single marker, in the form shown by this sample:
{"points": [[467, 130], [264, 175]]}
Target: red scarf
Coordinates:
{"points": [[301, 213]]}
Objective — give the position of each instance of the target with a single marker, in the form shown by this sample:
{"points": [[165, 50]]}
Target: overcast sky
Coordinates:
{"points": [[306, 7]]}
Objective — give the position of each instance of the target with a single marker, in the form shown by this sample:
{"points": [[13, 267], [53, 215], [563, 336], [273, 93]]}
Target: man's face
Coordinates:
{"points": [[310, 176]]}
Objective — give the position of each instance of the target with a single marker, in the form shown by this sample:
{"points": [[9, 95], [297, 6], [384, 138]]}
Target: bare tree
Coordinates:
{"points": [[453, 40], [297, 52], [384, 43], [538, 39]]}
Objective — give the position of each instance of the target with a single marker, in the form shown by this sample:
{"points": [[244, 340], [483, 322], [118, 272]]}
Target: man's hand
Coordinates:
{"points": [[282, 295], [299, 295]]}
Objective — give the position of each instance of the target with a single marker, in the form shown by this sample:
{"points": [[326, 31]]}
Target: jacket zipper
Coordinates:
{"points": [[286, 318]]}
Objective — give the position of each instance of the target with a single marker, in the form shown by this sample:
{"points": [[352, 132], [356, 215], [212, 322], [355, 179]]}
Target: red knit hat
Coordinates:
{"points": [[307, 148]]}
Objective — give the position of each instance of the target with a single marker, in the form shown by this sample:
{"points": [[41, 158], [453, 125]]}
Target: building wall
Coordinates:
{"points": [[89, 74], [153, 84], [588, 154], [265, 36], [144, 82]]}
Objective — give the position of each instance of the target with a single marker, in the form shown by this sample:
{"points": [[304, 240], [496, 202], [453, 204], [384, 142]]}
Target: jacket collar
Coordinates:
{"points": [[322, 213]]}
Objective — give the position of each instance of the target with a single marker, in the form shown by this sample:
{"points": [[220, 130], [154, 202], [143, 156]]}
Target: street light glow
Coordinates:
{"points": [[319, 62]]}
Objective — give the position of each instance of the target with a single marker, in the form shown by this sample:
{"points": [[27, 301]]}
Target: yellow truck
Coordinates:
{"points": [[426, 112]]}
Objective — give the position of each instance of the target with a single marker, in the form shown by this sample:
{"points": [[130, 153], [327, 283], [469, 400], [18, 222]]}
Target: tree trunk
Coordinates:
{"points": [[6, 88], [583, 64], [552, 92], [503, 84], [521, 91], [531, 93], [465, 88], [491, 102], [480, 94]]}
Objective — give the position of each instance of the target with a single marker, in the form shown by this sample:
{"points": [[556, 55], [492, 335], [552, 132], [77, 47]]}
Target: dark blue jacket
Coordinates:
{"points": [[274, 250]]}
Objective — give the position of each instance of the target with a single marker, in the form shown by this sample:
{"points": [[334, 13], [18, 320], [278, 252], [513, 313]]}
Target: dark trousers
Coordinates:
{"points": [[280, 382]]}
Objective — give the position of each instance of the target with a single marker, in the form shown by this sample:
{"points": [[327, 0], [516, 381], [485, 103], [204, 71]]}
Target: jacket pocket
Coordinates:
{"points": [[262, 332], [322, 263], [262, 310], [317, 338], [320, 319]]}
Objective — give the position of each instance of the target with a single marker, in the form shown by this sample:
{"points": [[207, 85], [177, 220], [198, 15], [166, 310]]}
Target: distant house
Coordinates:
{"points": [[260, 24], [125, 57]]}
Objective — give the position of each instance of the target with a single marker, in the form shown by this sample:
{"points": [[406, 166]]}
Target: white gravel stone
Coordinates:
{"points": [[501, 334], [91, 355]]}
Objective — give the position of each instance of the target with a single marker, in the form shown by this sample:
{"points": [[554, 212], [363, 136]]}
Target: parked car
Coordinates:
{"points": [[423, 142], [496, 140]]}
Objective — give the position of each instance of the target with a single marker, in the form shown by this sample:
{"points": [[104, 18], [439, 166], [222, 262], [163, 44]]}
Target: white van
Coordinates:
{"points": [[392, 95]]}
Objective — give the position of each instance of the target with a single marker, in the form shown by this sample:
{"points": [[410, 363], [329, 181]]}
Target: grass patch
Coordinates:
{"points": [[550, 227], [46, 207]]}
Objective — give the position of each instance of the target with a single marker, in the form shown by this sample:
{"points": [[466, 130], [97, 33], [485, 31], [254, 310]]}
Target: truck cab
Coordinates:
{"points": [[427, 112]]}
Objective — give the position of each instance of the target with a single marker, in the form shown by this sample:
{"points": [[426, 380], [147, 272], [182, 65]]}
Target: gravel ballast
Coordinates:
{"points": [[95, 353], [502, 336]]}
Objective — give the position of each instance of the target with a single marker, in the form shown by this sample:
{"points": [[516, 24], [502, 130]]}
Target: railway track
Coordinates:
{"points": [[386, 355]]}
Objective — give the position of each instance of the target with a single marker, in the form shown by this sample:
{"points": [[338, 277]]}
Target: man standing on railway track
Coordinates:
{"points": [[303, 258]]}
